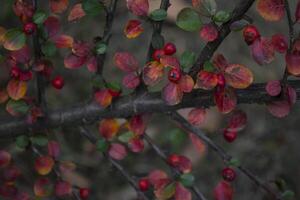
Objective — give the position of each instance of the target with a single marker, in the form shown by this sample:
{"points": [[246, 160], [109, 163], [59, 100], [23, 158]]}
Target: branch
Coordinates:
{"points": [[127, 106], [208, 51], [163, 156], [85, 132], [219, 150]]}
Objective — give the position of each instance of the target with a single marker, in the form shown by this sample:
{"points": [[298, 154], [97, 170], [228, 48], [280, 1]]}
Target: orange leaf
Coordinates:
{"points": [[198, 143], [103, 97], [197, 116], [44, 165], [207, 80], [133, 29], [271, 10], [58, 6], [238, 76], [16, 89], [293, 63], [63, 41], [153, 73], [76, 12], [108, 128], [126, 61], [186, 83]]}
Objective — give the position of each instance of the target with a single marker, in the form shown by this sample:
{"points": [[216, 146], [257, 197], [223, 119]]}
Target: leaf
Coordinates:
{"points": [[63, 41], [74, 62], [220, 62], [197, 116], [172, 93], [51, 26], [49, 49], [103, 97], [262, 51], [126, 137], [39, 17], [3, 96], [280, 43], [16, 89], [238, 76], [293, 63], [209, 32], [117, 151], [44, 165], [66, 166], [22, 141], [42, 187], [138, 7], [100, 48], [153, 73], [102, 145], [170, 61], [39, 140], [133, 29], [239, 25], [14, 39], [271, 10], [186, 83], [206, 7], [63, 189], [2, 34], [58, 6], [131, 80], [297, 12], [76, 12], [221, 16], [156, 176], [92, 7], [198, 144], [17, 108], [237, 121], [187, 180], [108, 128], [138, 124], [136, 145], [53, 149], [225, 99], [188, 20], [207, 80], [165, 192], [126, 61], [223, 191], [5, 158], [279, 109], [158, 15], [187, 59], [182, 193], [182, 163], [273, 88]]}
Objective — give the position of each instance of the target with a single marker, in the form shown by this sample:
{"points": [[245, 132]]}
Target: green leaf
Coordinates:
{"points": [[188, 20], [92, 7], [49, 49], [158, 15], [39, 140], [238, 25], [281, 184], [187, 180], [14, 39], [158, 41], [208, 7], [221, 16], [22, 141], [97, 81], [208, 66], [39, 17], [168, 191], [114, 86], [19, 107], [101, 48], [126, 137], [102, 145], [234, 162], [288, 194], [187, 59], [176, 136]]}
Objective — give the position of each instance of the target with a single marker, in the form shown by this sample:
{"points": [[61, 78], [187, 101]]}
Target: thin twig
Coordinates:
{"points": [[220, 151]]}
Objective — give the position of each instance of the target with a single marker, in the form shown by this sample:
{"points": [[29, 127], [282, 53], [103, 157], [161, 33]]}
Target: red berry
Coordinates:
{"points": [[157, 54], [29, 28], [15, 72], [173, 160], [229, 136], [221, 80], [84, 193], [114, 93], [169, 48], [250, 34], [174, 75], [228, 174], [58, 82], [25, 75], [144, 184]]}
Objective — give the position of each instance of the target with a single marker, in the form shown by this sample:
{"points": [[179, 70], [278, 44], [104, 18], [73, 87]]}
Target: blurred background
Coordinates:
{"points": [[268, 146]]}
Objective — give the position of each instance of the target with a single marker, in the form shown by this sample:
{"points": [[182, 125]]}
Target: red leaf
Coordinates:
{"points": [[138, 123], [293, 63], [186, 83], [76, 12], [271, 10], [225, 99], [58, 6], [42, 187], [153, 73], [165, 190], [138, 7], [273, 88], [172, 94], [81, 49], [22, 55], [238, 76], [207, 80], [133, 29], [53, 149], [198, 143], [181, 193], [5, 158], [209, 32], [156, 176], [16, 89], [108, 128], [52, 26], [136, 145], [74, 62], [24, 10], [182, 163], [103, 97], [262, 51], [220, 62], [297, 13], [131, 80], [126, 62], [117, 151], [92, 64], [280, 43], [279, 109], [170, 61], [223, 191], [237, 121], [63, 189], [63, 41], [197, 116], [44, 165], [291, 95]]}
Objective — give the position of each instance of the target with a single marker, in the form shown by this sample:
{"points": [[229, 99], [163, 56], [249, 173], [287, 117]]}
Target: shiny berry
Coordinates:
{"points": [[228, 174], [221, 80], [230, 136], [84, 193], [157, 54], [250, 34], [15, 72], [174, 75], [58, 82], [29, 28], [173, 160], [169, 49], [144, 184]]}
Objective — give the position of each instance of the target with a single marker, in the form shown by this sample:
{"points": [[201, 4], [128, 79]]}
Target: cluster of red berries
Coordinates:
{"points": [[169, 49], [250, 34]]}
